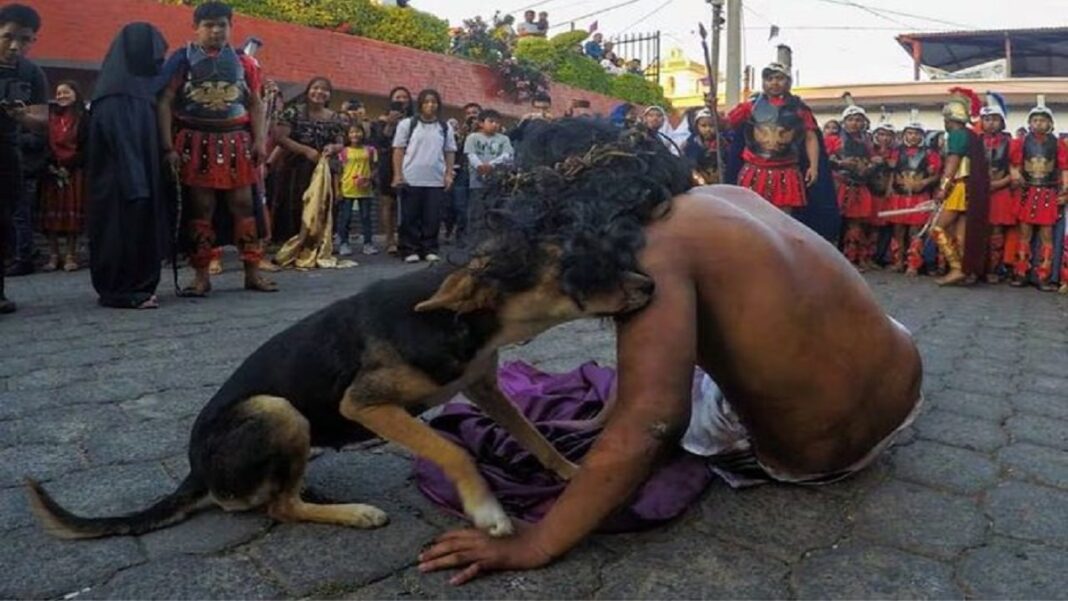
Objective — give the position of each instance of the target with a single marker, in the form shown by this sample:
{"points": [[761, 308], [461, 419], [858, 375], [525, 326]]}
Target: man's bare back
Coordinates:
{"points": [[820, 376], [816, 370]]}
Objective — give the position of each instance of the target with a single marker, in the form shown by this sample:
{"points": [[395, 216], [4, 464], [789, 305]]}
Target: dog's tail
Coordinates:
{"points": [[61, 523]]}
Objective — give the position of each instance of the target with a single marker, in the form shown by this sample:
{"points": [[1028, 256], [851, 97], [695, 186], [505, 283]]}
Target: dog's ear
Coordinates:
{"points": [[460, 292]]}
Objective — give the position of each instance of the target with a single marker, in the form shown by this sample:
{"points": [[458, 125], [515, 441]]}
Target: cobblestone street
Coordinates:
{"points": [[971, 503]]}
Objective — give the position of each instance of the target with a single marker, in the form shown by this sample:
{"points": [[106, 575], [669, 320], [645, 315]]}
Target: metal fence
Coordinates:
{"points": [[643, 46]]}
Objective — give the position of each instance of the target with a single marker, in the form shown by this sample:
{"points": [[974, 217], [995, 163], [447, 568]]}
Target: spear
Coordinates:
{"points": [[712, 95]]}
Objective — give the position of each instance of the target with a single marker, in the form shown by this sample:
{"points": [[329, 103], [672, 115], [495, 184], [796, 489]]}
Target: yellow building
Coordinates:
{"points": [[685, 81]]}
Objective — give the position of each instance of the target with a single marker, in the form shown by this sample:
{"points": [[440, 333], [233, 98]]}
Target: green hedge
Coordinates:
{"points": [[404, 26], [559, 56], [561, 59]]}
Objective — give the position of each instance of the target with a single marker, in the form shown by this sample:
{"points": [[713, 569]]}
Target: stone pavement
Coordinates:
{"points": [[972, 503]]}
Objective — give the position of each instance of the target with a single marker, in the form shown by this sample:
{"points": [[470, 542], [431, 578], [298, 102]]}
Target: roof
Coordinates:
{"points": [[1039, 52]]}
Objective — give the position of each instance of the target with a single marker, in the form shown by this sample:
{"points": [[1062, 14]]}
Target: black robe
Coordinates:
{"points": [[128, 221]]}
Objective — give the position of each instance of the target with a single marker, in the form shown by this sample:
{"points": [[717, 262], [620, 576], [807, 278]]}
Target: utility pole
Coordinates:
{"points": [[734, 51]]}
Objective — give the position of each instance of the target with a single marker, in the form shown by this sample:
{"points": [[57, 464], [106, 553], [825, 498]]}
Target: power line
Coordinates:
{"points": [[852, 4], [647, 15], [597, 12]]}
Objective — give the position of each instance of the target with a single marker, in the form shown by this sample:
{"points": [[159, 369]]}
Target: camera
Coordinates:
{"points": [[14, 92]]}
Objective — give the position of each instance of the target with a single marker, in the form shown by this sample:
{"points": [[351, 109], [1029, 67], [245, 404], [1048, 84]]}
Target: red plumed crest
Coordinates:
{"points": [[977, 103]]}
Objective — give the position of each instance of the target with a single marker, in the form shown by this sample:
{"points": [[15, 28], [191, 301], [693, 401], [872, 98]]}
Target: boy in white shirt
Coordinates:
{"points": [[485, 149]]}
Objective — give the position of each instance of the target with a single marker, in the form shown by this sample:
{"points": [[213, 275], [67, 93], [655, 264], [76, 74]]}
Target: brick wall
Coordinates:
{"points": [[79, 37]]}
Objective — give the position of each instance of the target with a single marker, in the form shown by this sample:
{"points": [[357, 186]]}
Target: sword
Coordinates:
{"points": [[177, 228], [923, 207], [712, 94], [932, 220]]}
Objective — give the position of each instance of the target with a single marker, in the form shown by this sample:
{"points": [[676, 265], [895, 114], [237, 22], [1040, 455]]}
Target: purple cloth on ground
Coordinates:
{"points": [[553, 402]]}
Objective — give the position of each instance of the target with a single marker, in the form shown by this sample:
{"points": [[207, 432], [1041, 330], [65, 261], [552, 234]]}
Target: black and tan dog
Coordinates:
{"points": [[361, 367]]}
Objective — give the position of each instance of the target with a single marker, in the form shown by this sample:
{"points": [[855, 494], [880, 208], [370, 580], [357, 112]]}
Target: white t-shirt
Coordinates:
{"points": [[424, 154]]}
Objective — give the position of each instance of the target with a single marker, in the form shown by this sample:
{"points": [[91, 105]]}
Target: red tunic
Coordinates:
{"points": [[901, 200], [882, 202], [63, 194], [778, 180], [855, 200], [1038, 205], [221, 160]]}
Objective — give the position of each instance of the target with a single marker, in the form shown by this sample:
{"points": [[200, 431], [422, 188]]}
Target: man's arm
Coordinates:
{"points": [[656, 355], [812, 149], [165, 116]]}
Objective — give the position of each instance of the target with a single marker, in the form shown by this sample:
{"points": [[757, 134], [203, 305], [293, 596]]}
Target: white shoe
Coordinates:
{"points": [[433, 258], [411, 259], [370, 249], [344, 250]]}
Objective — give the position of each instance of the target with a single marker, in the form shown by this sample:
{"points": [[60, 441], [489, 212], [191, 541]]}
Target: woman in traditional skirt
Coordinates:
{"points": [[306, 129], [63, 187]]}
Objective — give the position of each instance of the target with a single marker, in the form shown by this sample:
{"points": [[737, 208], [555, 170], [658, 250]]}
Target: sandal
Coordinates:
{"points": [[70, 263], [151, 303], [195, 291], [261, 284], [52, 264], [269, 266], [215, 267]]}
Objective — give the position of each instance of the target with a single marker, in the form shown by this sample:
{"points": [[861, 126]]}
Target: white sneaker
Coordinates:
{"points": [[344, 250], [370, 249], [411, 258], [433, 258]]}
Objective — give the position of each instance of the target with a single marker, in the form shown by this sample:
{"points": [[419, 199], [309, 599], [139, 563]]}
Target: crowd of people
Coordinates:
{"points": [[251, 169], [966, 202]]}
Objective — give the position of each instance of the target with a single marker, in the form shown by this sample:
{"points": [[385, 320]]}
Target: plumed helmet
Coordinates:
{"points": [[995, 105]]}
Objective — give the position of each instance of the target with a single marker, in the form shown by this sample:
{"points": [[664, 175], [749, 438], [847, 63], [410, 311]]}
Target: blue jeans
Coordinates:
{"points": [[456, 214], [344, 218], [22, 221]]}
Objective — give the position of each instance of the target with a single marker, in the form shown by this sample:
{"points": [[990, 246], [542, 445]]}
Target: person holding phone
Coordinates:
{"points": [[382, 132], [23, 89]]}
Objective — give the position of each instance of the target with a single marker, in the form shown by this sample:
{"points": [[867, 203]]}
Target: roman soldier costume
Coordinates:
{"points": [[967, 189], [1003, 199], [214, 139], [850, 158], [914, 165], [879, 179], [1038, 160], [774, 130]]}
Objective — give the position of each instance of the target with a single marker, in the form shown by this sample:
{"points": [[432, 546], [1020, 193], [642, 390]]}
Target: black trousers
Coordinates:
{"points": [[421, 210], [10, 193]]}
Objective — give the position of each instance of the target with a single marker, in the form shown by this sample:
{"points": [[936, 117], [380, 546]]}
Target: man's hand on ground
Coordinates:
{"points": [[477, 553]]}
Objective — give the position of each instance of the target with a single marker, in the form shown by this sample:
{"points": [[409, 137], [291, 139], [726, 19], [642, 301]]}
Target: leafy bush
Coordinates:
{"points": [[637, 89], [404, 26], [584, 72], [479, 42]]}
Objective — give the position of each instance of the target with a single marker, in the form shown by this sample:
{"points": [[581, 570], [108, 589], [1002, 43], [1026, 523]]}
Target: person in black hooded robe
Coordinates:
{"points": [[128, 214]]}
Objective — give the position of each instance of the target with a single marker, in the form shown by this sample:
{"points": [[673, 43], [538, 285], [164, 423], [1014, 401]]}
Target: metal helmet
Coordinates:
{"points": [[995, 105], [1040, 109]]}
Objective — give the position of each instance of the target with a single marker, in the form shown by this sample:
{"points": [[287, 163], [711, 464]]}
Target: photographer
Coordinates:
{"points": [[22, 104], [382, 132]]}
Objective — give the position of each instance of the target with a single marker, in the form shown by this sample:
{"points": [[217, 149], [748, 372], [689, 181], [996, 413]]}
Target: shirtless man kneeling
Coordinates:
{"points": [[819, 375]]}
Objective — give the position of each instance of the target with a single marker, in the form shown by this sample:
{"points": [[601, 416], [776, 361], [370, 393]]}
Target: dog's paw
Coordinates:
{"points": [[367, 516], [490, 516]]}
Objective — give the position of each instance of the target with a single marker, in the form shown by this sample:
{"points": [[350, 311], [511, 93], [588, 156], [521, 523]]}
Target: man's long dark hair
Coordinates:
{"points": [[588, 188]]}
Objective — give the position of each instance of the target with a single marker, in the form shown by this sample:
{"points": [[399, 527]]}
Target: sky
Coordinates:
{"points": [[833, 41]]}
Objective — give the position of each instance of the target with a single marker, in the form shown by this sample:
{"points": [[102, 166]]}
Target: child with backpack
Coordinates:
{"points": [[424, 152]]}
